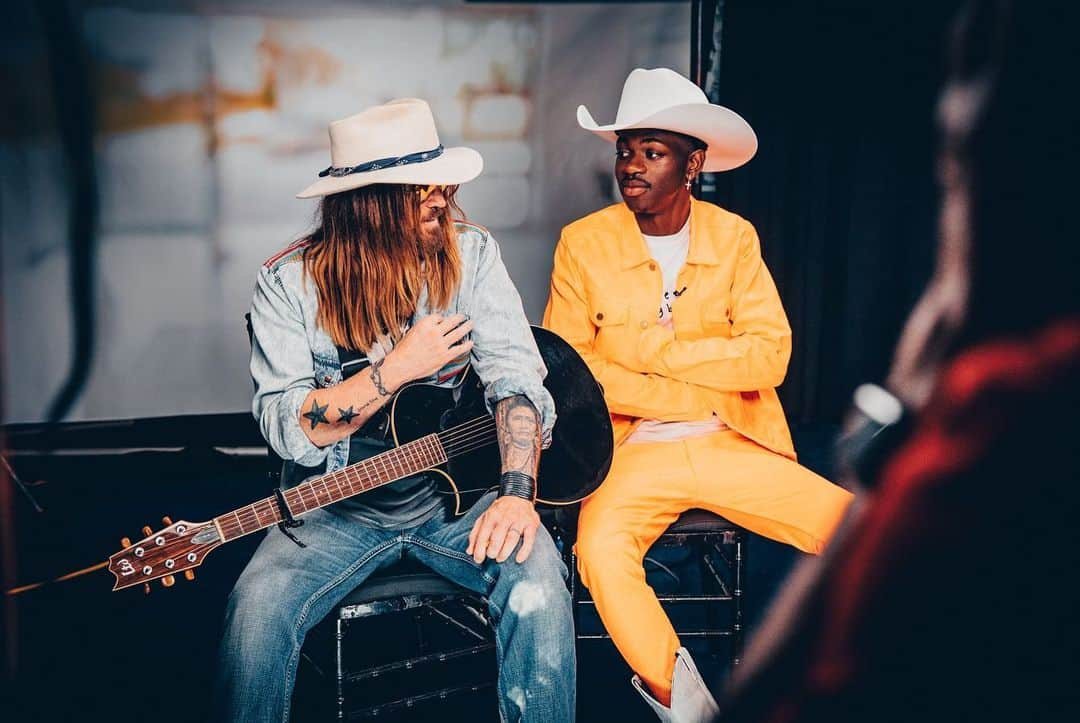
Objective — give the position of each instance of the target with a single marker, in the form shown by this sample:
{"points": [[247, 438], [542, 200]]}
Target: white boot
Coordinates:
{"points": [[691, 701]]}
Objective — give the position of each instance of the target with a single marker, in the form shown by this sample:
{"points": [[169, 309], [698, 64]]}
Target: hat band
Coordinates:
{"points": [[381, 163]]}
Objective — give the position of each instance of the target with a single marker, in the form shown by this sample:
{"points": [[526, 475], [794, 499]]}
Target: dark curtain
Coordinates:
{"points": [[843, 192]]}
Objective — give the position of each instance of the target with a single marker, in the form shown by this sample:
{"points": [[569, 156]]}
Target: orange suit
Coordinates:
{"points": [[727, 351]]}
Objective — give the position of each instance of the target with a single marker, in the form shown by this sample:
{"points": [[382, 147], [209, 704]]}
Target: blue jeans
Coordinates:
{"points": [[285, 590]]}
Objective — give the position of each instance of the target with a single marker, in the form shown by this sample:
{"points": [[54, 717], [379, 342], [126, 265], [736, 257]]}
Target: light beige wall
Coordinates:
{"points": [[212, 119]]}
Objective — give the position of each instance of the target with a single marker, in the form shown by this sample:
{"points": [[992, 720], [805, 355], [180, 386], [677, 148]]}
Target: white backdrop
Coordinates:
{"points": [[211, 120]]}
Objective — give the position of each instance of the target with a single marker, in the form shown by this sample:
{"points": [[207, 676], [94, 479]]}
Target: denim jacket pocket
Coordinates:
{"points": [[327, 370]]}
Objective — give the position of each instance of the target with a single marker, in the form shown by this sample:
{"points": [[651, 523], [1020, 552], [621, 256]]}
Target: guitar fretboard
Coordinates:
{"points": [[367, 474], [389, 466]]}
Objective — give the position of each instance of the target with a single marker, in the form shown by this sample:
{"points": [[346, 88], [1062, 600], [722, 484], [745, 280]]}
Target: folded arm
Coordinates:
{"points": [[628, 392], [757, 353]]}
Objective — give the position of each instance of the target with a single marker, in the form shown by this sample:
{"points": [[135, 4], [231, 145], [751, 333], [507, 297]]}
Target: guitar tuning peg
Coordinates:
{"points": [[147, 531], [168, 580], [189, 575], [167, 520], [125, 542], [146, 588]]}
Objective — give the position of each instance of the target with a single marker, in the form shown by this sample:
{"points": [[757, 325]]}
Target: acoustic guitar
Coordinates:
{"points": [[445, 430]]}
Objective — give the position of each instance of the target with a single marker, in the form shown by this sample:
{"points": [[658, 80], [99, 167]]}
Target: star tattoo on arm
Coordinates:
{"points": [[317, 415], [347, 415]]}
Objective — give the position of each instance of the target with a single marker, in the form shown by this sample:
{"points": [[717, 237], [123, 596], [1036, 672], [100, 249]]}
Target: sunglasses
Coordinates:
{"points": [[424, 191]]}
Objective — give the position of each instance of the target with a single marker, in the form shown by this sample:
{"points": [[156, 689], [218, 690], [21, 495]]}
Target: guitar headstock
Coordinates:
{"points": [[178, 547]]}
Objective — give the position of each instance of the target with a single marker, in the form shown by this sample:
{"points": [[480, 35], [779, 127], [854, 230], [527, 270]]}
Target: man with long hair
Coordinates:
{"points": [[670, 303], [386, 290]]}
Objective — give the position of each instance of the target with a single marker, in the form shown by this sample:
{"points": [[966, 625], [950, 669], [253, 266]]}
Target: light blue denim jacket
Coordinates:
{"points": [[291, 354]]}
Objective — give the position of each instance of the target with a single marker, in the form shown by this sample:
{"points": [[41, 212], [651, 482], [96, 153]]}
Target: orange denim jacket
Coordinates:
{"points": [[731, 341]]}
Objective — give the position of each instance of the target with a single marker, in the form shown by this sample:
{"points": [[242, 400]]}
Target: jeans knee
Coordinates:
{"points": [[536, 586], [255, 612]]}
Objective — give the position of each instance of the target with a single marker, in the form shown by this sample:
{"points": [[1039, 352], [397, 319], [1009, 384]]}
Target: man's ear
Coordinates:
{"points": [[695, 162]]}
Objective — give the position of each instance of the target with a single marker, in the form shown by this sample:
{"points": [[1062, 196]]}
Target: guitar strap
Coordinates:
{"points": [[287, 520]]}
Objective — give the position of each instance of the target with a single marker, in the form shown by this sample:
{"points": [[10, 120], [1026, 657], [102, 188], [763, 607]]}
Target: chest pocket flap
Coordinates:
{"points": [[608, 311], [717, 315]]}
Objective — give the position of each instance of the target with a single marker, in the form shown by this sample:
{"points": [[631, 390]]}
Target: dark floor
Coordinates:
{"points": [[86, 653]]}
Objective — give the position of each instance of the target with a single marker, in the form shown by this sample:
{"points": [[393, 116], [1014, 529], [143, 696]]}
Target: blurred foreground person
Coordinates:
{"points": [[947, 593]]}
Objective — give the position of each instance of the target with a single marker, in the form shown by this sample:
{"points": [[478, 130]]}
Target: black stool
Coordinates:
{"points": [[421, 594], [720, 547]]}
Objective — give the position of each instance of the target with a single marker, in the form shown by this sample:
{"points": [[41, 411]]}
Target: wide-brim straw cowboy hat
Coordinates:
{"points": [[662, 99], [392, 143]]}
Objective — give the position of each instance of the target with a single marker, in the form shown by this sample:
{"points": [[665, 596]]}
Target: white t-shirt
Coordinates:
{"points": [[670, 253]]}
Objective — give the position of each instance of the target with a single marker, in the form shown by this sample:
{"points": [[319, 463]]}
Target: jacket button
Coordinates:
{"points": [[599, 316], [644, 325], [652, 266]]}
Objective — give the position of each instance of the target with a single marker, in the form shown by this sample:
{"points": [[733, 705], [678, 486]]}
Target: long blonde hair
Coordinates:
{"points": [[369, 263]]}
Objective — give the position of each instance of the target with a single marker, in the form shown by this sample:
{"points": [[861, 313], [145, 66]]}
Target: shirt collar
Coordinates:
{"points": [[702, 249]]}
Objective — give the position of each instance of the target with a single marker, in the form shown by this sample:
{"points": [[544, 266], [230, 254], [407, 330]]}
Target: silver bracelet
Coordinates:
{"points": [[376, 378]]}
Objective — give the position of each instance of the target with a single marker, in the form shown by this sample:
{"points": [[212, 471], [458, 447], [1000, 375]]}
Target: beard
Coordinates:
{"points": [[433, 238]]}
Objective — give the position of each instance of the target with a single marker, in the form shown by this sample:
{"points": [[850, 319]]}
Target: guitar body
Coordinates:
{"points": [[420, 409], [582, 442]]}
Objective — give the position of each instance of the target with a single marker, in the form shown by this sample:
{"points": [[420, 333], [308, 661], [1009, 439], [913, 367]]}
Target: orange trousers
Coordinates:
{"points": [[649, 486]]}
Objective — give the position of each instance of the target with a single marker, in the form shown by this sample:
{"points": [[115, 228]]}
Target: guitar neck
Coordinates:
{"points": [[384, 468]]}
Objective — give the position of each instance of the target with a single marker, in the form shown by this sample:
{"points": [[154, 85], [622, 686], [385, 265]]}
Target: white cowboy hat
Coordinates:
{"points": [[662, 99], [392, 143]]}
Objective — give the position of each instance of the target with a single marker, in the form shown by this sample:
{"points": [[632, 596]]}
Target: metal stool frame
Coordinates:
{"points": [[477, 625], [727, 543]]}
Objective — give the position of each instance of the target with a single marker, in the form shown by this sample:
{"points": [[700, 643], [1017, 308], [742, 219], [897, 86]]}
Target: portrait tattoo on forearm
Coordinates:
{"points": [[517, 425], [317, 415]]}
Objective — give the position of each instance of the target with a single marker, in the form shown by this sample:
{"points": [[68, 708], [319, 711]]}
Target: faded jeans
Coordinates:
{"points": [[285, 590]]}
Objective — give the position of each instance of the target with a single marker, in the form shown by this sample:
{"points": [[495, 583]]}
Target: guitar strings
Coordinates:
{"points": [[466, 437], [449, 439], [468, 446], [460, 439]]}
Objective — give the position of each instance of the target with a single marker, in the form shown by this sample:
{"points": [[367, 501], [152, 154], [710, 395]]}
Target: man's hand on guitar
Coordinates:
{"points": [[431, 343], [508, 521]]}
